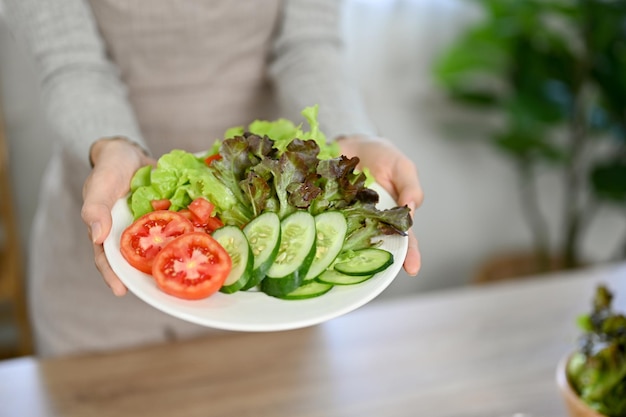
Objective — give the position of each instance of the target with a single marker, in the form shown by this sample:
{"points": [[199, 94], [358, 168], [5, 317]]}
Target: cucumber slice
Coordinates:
{"points": [[234, 241], [367, 261], [263, 235], [331, 228], [309, 289], [295, 255], [330, 276]]}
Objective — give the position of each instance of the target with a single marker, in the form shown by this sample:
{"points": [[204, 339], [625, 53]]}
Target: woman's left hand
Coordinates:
{"points": [[395, 173]]}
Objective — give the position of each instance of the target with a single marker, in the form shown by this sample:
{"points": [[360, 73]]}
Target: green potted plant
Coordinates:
{"points": [[554, 71], [593, 378]]}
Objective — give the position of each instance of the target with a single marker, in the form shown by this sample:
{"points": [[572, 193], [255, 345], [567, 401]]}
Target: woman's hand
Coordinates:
{"points": [[395, 173], [114, 161]]}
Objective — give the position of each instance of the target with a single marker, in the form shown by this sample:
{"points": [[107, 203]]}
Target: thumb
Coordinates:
{"points": [[100, 192]]}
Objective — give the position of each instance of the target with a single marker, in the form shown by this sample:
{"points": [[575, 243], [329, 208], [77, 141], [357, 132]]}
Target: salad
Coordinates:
{"points": [[597, 369], [269, 208]]}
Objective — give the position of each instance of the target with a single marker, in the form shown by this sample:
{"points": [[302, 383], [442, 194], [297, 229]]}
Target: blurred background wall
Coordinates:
{"points": [[471, 209]]}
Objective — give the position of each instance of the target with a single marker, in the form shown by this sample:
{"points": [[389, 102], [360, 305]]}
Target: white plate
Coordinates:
{"points": [[253, 311]]}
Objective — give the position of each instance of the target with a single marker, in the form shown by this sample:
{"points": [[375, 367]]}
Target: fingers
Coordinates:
{"points": [[109, 180], [96, 213], [407, 185], [413, 261], [107, 273], [408, 192], [99, 195], [397, 174]]}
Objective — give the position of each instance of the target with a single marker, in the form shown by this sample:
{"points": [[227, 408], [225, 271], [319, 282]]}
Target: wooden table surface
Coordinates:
{"points": [[484, 351]]}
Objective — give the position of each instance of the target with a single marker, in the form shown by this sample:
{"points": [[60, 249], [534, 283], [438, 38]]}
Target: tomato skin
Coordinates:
{"points": [[209, 159], [213, 224], [148, 235], [162, 204], [201, 212], [185, 212], [202, 209], [193, 266]]}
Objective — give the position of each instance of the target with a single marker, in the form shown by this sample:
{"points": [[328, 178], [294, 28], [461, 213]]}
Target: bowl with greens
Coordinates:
{"points": [[592, 379]]}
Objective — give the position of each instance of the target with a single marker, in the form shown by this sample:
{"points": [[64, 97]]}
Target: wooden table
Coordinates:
{"points": [[484, 351]]}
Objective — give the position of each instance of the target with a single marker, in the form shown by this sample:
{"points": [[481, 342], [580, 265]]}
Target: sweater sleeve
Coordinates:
{"points": [[82, 94], [308, 67]]}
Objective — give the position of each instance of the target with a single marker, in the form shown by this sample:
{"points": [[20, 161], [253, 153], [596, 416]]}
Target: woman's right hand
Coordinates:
{"points": [[114, 161]]}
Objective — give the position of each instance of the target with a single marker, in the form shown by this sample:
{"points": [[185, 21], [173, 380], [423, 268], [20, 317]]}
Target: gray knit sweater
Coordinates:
{"points": [[85, 99], [163, 105]]}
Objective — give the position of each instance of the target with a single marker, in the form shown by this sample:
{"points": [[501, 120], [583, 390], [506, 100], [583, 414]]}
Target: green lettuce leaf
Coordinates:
{"points": [[272, 166], [181, 177]]}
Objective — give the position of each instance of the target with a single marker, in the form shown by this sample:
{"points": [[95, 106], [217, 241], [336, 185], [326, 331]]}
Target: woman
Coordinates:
{"points": [[126, 81]]}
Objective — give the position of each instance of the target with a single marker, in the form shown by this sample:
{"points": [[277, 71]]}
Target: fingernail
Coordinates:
{"points": [[96, 229]]}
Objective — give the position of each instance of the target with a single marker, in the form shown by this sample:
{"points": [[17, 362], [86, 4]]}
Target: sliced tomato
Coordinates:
{"points": [[213, 224], [202, 209], [162, 204], [148, 235], [192, 266], [186, 213], [209, 159], [201, 212]]}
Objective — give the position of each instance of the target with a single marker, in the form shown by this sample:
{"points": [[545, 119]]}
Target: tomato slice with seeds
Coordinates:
{"points": [[192, 266], [147, 236]]}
